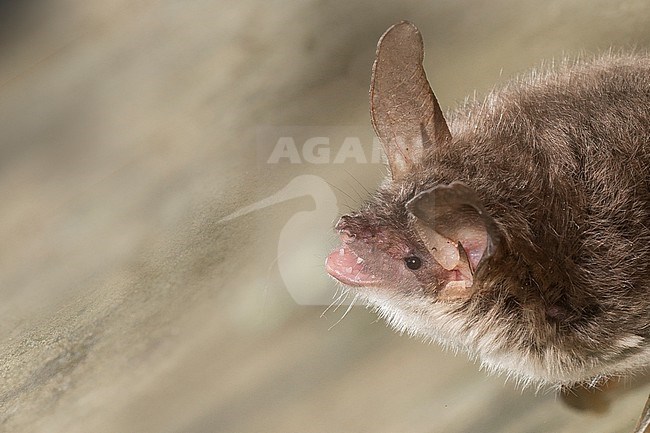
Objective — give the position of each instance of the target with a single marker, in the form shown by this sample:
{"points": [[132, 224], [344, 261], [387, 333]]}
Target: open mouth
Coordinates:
{"points": [[347, 267]]}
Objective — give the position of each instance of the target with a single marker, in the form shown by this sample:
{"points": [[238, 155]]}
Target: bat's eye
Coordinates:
{"points": [[413, 262]]}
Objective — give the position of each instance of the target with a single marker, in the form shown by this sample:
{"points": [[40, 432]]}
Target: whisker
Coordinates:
{"points": [[346, 293], [334, 301], [346, 312], [360, 197], [357, 181], [344, 192]]}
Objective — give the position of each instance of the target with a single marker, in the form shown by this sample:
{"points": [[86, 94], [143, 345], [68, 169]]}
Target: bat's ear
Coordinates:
{"points": [[405, 113], [457, 231]]}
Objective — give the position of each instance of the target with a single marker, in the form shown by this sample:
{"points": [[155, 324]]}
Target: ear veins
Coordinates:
{"points": [[404, 111]]}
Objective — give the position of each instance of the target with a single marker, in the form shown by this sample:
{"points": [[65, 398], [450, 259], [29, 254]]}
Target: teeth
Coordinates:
{"points": [[359, 260]]}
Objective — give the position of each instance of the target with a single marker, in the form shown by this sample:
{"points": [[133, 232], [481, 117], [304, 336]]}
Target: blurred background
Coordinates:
{"points": [[160, 272]]}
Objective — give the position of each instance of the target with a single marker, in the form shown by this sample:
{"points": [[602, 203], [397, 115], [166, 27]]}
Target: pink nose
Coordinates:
{"points": [[343, 223], [352, 227], [343, 226]]}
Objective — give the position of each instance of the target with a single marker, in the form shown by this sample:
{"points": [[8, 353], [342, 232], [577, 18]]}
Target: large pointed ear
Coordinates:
{"points": [[458, 232], [405, 113]]}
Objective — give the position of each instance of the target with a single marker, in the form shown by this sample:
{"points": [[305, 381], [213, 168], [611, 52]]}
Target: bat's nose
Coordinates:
{"points": [[355, 226], [343, 226], [343, 223]]}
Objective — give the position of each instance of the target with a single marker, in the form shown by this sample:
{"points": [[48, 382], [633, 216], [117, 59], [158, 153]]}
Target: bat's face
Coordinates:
{"points": [[412, 255], [386, 266], [430, 243], [377, 256]]}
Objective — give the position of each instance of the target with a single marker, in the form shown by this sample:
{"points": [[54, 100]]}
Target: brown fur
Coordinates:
{"points": [[561, 162]]}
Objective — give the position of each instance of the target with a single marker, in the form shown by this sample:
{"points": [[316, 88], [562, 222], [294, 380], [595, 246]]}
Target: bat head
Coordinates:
{"points": [[411, 245]]}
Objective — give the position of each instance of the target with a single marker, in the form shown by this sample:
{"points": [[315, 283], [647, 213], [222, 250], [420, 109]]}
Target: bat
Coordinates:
{"points": [[515, 228]]}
